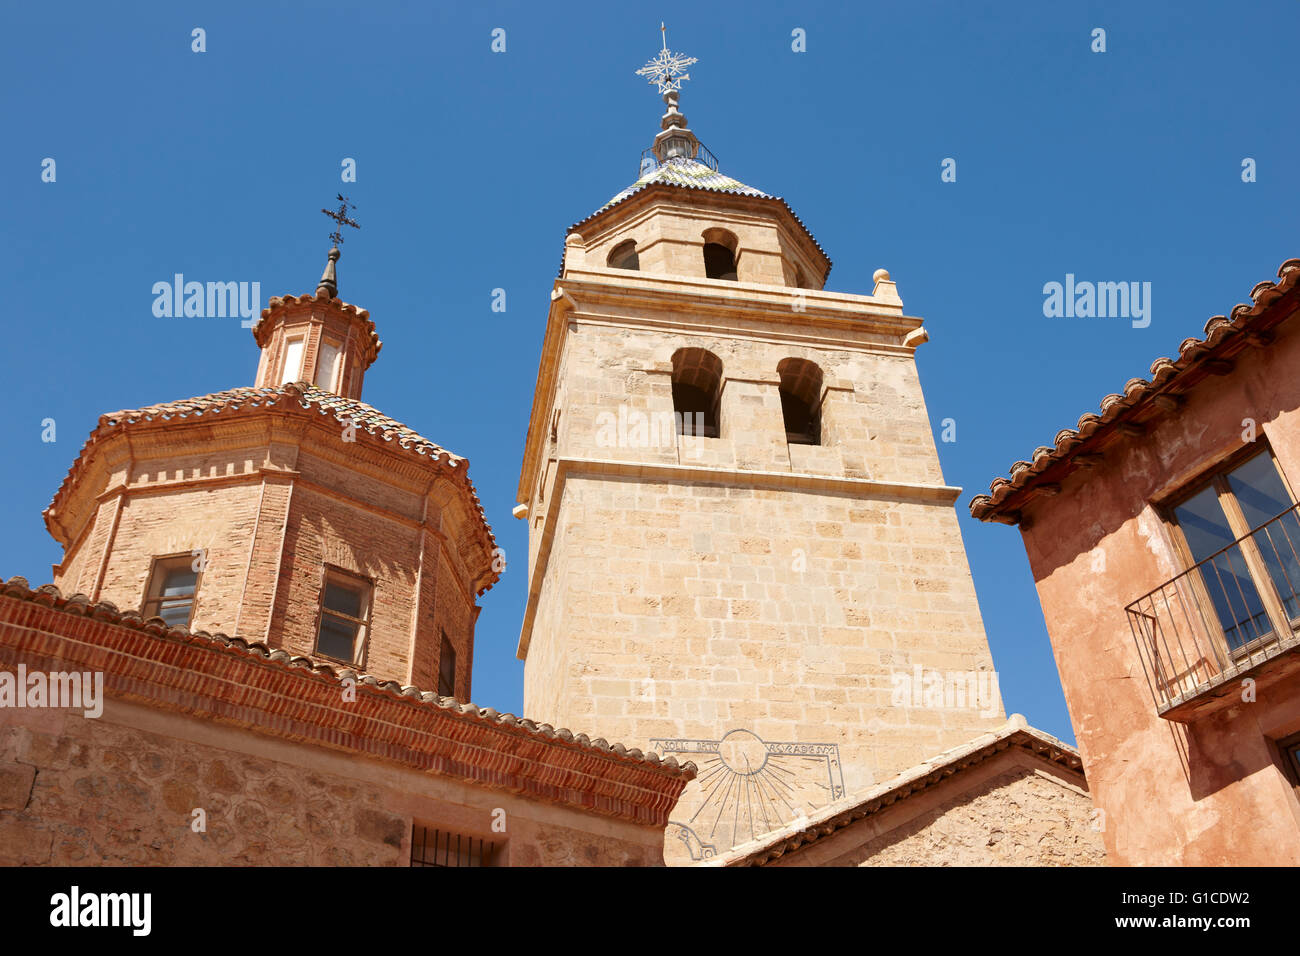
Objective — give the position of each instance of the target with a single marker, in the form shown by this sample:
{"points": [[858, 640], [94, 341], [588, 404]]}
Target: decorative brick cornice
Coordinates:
{"points": [[269, 692], [303, 404]]}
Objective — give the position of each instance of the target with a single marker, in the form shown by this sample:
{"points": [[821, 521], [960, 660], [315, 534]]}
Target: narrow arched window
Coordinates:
{"points": [[801, 401], [720, 254], [623, 256], [697, 390]]}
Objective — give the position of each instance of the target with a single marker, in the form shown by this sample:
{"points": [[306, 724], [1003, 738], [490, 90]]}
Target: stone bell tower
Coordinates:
{"points": [[741, 547]]}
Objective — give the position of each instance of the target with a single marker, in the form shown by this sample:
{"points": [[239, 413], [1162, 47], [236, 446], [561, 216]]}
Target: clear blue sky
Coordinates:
{"points": [[1115, 166]]}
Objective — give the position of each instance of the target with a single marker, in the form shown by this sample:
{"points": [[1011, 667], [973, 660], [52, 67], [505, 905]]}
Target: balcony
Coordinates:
{"points": [[1233, 616]]}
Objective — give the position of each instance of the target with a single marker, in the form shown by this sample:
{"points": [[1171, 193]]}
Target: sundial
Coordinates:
{"points": [[748, 786]]}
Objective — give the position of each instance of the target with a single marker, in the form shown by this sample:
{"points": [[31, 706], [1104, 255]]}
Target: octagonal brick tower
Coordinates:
{"points": [[748, 593], [288, 513]]}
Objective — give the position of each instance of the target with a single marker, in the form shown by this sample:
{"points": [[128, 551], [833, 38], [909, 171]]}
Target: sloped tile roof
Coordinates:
{"points": [[1016, 732], [691, 174], [367, 417], [145, 658], [1169, 377], [345, 411]]}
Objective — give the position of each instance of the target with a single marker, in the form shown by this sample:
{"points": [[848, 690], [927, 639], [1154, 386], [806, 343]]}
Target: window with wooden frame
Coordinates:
{"points": [[344, 616], [446, 668], [173, 586], [1240, 529]]}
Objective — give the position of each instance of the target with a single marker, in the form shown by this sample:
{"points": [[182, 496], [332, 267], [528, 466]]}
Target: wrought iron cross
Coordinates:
{"points": [[341, 219], [668, 69]]}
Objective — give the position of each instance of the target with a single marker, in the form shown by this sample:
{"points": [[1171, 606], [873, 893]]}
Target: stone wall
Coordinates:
{"points": [[121, 790], [689, 589], [1009, 811]]}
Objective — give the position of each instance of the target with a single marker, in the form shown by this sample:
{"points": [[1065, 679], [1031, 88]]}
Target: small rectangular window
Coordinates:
{"points": [[344, 611], [173, 584], [327, 366], [446, 668], [292, 371]]}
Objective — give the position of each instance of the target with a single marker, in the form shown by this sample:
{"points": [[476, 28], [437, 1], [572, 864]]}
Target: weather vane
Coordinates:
{"points": [[668, 69], [341, 219]]}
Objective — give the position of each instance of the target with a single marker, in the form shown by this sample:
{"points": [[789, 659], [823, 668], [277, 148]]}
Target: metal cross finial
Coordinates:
{"points": [[668, 69], [341, 219]]}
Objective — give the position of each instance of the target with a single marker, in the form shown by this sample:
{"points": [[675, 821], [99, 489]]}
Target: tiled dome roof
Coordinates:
{"points": [[689, 173]]}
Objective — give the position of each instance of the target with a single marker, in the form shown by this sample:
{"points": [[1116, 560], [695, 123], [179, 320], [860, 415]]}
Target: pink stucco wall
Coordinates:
{"points": [[1210, 791]]}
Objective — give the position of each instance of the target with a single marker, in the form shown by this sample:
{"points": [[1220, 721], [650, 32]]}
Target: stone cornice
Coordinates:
{"points": [[566, 468], [637, 296]]}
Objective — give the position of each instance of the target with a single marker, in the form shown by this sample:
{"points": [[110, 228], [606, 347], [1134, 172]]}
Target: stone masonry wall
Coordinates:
{"points": [[121, 790], [678, 606], [1018, 815]]}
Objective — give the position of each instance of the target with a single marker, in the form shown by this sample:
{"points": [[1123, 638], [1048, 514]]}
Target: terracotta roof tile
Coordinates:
{"points": [[344, 410], [50, 596], [1016, 732], [1183, 373]]}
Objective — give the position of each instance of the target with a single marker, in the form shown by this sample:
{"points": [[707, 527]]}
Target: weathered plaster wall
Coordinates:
{"points": [[1205, 794]]}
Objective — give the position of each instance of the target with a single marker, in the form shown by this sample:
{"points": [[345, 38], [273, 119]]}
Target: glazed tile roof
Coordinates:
{"points": [[145, 658], [1016, 732], [367, 419], [690, 174], [1144, 399]]}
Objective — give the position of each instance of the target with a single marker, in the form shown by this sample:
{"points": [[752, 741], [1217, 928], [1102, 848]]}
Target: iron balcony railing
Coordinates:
{"points": [[649, 162], [1235, 610]]}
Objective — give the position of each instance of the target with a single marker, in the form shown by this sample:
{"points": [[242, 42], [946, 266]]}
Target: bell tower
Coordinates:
{"points": [[288, 514], [741, 548]]}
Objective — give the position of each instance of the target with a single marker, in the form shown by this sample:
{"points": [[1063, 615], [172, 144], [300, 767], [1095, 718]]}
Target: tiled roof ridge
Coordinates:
{"points": [[1016, 732], [307, 395], [216, 402], [1220, 332], [49, 595]]}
